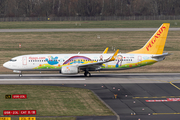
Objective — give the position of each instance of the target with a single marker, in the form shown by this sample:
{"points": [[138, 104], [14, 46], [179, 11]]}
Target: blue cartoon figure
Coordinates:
{"points": [[51, 60], [119, 63]]}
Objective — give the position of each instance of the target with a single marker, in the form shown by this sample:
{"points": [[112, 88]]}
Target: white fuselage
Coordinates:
{"points": [[48, 62]]}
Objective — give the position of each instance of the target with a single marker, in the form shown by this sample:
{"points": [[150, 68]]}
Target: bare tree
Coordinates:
{"points": [[41, 8], [2, 7]]}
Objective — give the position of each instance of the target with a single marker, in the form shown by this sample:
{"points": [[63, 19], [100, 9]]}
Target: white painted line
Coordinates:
{"points": [[37, 79], [37, 75]]}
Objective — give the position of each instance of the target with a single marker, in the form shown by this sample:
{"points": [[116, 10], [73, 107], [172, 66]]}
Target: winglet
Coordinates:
{"points": [[114, 56], [105, 51]]}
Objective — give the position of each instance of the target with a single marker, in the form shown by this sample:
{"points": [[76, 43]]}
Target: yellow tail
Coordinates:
{"points": [[156, 43]]}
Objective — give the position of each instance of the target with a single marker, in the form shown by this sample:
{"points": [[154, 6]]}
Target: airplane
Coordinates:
{"points": [[149, 54]]}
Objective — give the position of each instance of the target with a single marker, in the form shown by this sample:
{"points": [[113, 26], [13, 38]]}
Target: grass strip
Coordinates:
{"points": [[88, 24], [53, 101]]}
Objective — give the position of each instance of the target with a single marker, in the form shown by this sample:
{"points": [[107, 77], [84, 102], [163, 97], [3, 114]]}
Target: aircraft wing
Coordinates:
{"points": [[97, 65]]}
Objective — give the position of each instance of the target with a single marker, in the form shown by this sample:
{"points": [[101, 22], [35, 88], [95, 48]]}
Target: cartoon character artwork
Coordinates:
{"points": [[101, 58], [51, 60], [119, 62]]}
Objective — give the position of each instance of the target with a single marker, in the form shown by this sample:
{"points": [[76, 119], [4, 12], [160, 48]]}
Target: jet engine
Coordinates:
{"points": [[69, 70]]}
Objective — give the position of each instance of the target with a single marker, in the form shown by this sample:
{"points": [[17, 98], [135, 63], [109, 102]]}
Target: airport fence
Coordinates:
{"points": [[89, 18]]}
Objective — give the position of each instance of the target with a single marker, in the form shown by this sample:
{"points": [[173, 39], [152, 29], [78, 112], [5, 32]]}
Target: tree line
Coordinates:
{"points": [[58, 8]]}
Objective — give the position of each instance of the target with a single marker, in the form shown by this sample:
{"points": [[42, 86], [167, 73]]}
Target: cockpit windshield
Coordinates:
{"points": [[13, 60]]}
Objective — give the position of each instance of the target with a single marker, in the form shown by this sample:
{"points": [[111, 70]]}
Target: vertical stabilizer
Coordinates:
{"points": [[156, 43]]}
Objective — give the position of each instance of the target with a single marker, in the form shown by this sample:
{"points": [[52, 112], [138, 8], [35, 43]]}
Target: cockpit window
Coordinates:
{"points": [[13, 60]]}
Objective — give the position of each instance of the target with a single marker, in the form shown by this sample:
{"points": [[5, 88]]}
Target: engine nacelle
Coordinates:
{"points": [[69, 70]]}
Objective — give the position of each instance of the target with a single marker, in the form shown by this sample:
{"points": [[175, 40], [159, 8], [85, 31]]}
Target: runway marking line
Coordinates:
{"points": [[38, 79], [157, 97], [165, 113]]}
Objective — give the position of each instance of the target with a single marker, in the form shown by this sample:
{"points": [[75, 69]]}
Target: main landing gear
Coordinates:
{"points": [[20, 75], [87, 73]]}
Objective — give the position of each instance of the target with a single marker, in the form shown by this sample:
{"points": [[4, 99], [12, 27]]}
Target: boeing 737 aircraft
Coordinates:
{"points": [[152, 52]]}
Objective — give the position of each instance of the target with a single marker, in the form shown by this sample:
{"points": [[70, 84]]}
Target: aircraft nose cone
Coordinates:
{"points": [[5, 65]]}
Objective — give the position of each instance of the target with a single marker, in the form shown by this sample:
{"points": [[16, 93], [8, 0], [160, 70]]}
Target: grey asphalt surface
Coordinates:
{"points": [[96, 78], [129, 107], [132, 90], [84, 29]]}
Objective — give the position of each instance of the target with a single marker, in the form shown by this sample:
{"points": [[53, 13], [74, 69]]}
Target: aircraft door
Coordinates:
{"points": [[139, 59], [24, 60]]}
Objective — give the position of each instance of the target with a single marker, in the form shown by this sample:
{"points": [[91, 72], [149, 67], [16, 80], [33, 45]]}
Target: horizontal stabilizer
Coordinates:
{"points": [[163, 55]]}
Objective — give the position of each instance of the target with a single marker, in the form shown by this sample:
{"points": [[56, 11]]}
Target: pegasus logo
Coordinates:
{"points": [[154, 39]]}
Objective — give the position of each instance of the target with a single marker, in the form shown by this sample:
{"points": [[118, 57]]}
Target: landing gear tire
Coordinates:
{"points": [[86, 73], [89, 74], [20, 75]]}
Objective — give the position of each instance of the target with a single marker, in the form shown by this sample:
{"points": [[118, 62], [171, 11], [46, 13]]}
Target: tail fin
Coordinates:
{"points": [[156, 43]]}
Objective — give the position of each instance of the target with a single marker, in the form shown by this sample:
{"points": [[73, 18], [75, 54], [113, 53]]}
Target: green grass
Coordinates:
{"points": [[53, 101], [81, 41], [63, 118], [88, 24]]}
